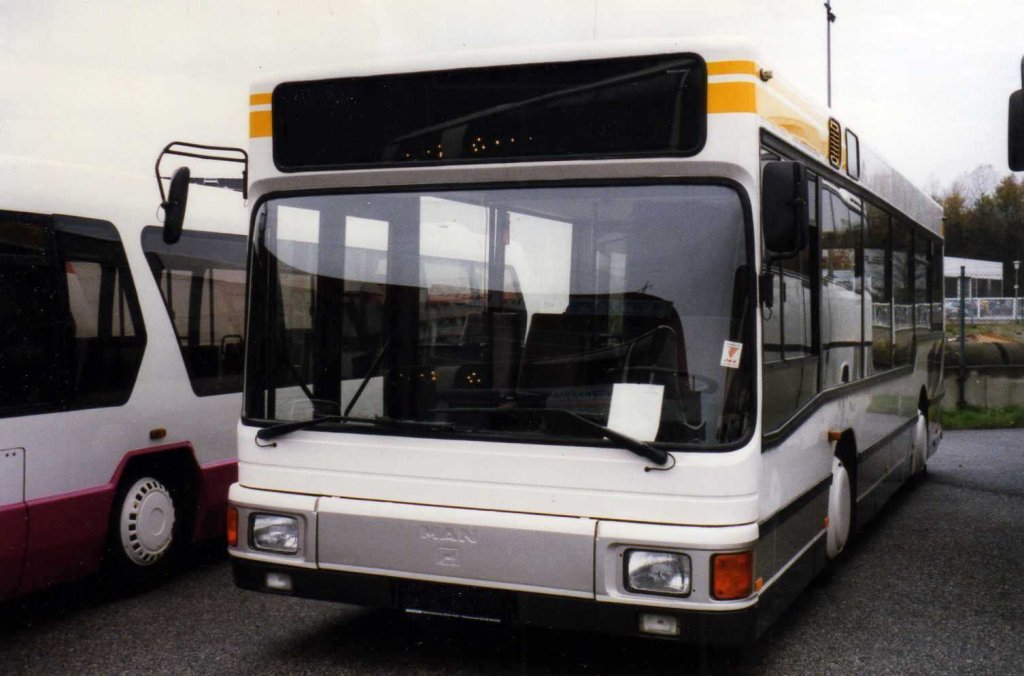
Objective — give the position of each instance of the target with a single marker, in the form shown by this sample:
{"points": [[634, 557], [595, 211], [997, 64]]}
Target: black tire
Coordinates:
{"points": [[145, 536]]}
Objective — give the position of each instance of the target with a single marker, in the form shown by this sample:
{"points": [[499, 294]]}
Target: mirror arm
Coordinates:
{"points": [[766, 292], [204, 152]]}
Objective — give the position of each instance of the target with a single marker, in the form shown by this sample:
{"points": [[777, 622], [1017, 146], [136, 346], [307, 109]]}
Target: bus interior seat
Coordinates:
{"points": [[577, 349]]}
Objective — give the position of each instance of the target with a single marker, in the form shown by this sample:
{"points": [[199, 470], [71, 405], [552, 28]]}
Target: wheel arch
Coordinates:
{"points": [[846, 451]]}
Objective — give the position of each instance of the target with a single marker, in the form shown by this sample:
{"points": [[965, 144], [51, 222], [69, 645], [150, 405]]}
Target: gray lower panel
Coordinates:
{"points": [[515, 551], [787, 534], [805, 524]]}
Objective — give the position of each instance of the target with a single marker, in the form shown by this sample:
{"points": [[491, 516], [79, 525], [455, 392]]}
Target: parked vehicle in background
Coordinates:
{"points": [[120, 374]]}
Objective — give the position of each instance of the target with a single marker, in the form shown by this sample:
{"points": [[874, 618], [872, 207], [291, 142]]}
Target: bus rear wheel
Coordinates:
{"points": [[145, 532], [840, 510], [919, 457]]}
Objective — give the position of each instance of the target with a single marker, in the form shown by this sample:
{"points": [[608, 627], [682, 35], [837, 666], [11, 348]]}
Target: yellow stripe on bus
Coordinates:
{"points": [[260, 124], [801, 122], [732, 68], [260, 99], [779, 110], [732, 97]]}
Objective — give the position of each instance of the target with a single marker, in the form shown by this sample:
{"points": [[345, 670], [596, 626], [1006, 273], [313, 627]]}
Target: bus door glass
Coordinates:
{"points": [[841, 288]]}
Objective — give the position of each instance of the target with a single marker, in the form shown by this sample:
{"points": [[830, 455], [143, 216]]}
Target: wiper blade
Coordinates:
{"points": [[641, 448], [280, 429], [370, 372]]}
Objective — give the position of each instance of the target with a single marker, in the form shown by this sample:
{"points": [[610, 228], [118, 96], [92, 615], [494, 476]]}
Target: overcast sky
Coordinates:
{"points": [[924, 81]]}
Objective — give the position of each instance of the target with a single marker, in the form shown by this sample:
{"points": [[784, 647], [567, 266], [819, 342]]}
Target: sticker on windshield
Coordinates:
{"points": [[731, 353]]}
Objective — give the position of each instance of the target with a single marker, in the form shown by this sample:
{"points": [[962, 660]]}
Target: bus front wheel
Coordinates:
{"points": [[840, 510], [145, 532]]}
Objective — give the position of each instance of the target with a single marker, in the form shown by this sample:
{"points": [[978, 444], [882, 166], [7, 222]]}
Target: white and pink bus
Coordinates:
{"points": [[120, 374]]}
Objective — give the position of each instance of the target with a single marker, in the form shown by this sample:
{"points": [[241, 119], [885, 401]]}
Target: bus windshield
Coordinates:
{"points": [[485, 309]]}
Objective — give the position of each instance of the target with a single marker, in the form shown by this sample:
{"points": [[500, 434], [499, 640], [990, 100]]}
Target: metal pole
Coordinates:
{"points": [[961, 377], [1016, 288], [830, 19]]}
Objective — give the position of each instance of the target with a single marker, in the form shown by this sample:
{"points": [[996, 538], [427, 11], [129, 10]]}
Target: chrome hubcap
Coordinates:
{"points": [[147, 521]]}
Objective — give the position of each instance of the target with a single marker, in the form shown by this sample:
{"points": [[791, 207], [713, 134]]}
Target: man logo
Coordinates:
{"points": [[437, 533]]}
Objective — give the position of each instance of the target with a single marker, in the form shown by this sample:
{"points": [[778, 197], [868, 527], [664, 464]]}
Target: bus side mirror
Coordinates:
{"points": [[784, 217], [1015, 136], [174, 207]]}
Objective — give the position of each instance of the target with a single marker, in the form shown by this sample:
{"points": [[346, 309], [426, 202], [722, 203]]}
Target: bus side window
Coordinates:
{"points": [[877, 291], [902, 294], [922, 259], [202, 281], [935, 285], [33, 326], [841, 308], [108, 335]]}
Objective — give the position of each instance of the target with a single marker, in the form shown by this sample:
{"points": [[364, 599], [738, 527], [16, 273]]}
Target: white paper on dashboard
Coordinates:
{"points": [[636, 410]]}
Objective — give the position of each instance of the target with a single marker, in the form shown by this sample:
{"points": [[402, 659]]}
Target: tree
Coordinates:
{"points": [[984, 218]]}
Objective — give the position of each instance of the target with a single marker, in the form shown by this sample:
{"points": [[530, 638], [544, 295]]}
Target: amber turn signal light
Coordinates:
{"points": [[732, 575], [232, 524]]}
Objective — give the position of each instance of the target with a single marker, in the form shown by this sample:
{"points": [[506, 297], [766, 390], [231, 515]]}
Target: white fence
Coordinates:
{"points": [[981, 310]]}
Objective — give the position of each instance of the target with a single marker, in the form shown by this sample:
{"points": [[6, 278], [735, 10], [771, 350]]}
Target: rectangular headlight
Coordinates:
{"points": [[275, 533], [657, 572]]}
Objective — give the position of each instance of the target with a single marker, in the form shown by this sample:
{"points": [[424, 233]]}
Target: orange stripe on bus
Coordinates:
{"points": [[732, 97], [260, 99], [732, 68], [260, 124]]}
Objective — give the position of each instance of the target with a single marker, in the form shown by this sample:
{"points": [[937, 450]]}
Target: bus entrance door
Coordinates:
{"points": [[12, 518]]}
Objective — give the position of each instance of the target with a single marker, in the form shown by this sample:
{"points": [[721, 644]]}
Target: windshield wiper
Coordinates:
{"points": [[280, 429], [370, 372], [641, 448]]}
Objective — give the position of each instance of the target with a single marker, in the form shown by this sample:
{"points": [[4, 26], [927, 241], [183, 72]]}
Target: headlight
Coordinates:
{"points": [[657, 572], [275, 533]]}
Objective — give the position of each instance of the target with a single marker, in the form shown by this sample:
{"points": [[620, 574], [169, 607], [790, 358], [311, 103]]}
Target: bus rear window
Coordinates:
{"points": [[651, 105]]}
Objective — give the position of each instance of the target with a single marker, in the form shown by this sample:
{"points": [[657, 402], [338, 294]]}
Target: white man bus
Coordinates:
{"points": [[693, 344], [120, 374]]}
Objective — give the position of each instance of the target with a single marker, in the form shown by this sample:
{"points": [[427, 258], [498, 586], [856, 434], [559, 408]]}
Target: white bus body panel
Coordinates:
{"points": [[579, 481]]}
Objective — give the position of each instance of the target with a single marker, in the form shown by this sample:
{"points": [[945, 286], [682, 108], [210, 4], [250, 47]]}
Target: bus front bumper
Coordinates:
{"points": [[722, 628], [531, 569]]}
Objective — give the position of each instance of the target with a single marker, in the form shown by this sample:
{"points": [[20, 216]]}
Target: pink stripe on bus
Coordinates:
{"points": [[12, 547]]}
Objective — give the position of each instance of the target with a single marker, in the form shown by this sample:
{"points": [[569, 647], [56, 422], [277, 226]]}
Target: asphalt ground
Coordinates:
{"points": [[933, 585]]}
